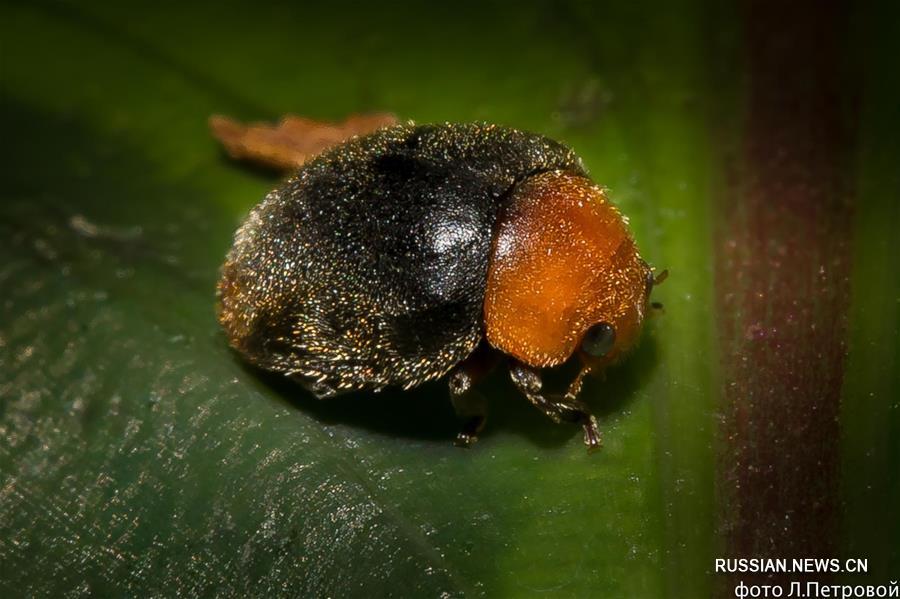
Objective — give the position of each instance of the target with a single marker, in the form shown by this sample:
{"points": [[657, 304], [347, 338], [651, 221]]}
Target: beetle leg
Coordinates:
{"points": [[468, 404], [319, 388], [564, 409]]}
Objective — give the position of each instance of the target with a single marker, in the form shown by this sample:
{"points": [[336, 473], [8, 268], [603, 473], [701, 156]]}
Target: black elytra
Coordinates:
{"points": [[368, 267]]}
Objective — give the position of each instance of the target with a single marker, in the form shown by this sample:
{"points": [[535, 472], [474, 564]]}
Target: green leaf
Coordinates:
{"points": [[138, 456]]}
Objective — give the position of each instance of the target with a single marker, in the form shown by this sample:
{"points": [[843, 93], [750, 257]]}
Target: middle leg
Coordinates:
{"points": [[469, 404]]}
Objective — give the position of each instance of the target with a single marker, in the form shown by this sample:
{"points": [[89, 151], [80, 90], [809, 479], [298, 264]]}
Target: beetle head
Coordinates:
{"points": [[565, 275]]}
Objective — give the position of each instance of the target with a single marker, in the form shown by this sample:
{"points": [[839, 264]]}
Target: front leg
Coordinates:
{"points": [[561, 409]]}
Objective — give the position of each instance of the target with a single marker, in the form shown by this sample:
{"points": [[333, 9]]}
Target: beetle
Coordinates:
{"points": [[420, 251]]}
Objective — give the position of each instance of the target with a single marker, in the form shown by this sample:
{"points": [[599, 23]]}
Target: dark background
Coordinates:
{"points": [[754, 147]]}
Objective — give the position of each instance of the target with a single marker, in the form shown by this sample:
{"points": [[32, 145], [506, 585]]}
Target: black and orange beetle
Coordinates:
{"points": [[387, 260]]}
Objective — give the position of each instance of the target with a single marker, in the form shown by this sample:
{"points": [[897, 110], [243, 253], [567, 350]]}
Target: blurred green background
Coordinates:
{"points": [[755, 149]]}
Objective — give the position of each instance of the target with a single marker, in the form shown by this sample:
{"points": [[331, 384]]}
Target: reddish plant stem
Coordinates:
{"points": [[782, 278]]}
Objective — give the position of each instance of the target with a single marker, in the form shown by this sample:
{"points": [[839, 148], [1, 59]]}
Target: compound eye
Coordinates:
{"points": [[598, 340]]}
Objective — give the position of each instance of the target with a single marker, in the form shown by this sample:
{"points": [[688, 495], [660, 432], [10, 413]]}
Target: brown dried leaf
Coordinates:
{"points": [[293, 141]]}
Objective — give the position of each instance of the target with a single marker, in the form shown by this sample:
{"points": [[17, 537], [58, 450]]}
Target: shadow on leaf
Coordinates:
{"points": [[425, 413]]}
